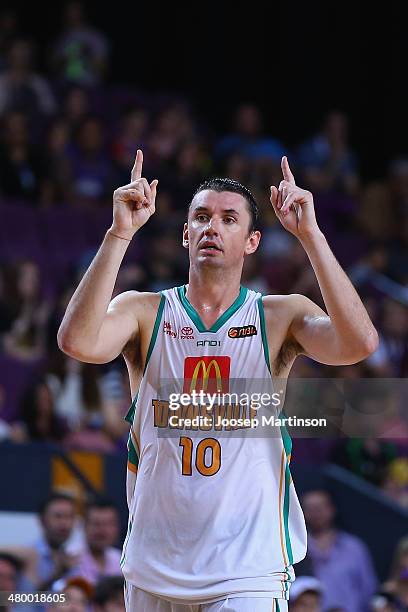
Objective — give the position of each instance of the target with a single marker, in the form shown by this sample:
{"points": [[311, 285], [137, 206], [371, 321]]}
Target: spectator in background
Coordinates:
{"points": [[340, 561], [396, 586], [21, 89], [100, 557], [171, 129], [305, 595], [23, 172], [93, 405], [38, 414], [78, 595], [399, 565], [248, 138], [327, 162], [10, 566], [13, 579], [90, 169], [108, 595], [57, 516], [81, 53], [26, 337]]}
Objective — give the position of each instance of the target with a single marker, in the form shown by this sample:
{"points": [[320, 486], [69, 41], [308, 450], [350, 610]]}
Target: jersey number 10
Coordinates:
{"points": [[187, 456]]}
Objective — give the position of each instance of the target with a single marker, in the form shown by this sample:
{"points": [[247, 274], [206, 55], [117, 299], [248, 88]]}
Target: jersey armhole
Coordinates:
{"points": [[131, 412], [263, 333], [287, 440]]}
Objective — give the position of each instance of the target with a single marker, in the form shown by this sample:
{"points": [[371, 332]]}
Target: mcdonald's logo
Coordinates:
{"points": [[209, 374]]}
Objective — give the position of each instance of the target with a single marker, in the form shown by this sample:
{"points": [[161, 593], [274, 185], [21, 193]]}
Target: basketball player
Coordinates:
{"points": [[214, 524]]}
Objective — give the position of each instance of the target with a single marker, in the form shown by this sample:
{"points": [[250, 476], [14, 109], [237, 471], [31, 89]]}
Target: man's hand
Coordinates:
{"points": [[293, 206], [134, 203]]}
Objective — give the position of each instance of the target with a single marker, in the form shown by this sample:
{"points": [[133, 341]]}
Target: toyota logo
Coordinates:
{"points": [[187, 331]]}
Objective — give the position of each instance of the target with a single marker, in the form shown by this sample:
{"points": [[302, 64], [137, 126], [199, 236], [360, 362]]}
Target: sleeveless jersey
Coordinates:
{"points": [[210, 514]]}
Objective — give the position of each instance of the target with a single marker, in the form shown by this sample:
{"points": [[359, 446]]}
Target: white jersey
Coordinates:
{"points": [[212, 511]]}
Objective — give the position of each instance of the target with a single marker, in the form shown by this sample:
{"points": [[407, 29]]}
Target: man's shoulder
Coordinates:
{"points": [[138, 300], [276, 304]]}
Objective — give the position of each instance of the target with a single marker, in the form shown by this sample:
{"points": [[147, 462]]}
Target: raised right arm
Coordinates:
{"points": [[96, 328]]}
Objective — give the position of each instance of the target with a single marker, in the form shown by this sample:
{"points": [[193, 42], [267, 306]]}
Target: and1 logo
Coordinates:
{"points": [[210, 374], [208, 343], [186, 333], [242, 332]]}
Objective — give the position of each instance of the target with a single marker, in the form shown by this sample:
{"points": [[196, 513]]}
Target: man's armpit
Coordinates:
{"points": [[290, 349], [131, 350]]}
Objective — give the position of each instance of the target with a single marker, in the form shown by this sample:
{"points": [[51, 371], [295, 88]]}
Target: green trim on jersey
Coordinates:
{"points": [[131, 412], [155, 330], [286, 514], [263, 332], [122, 559], [133, 457], [195, 317], [287, 441]]}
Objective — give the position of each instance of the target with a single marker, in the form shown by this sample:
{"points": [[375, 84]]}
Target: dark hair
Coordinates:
{"points": [[107, 588], [99, 503], [54, 496], [16, 562], [29, 405], [226, 184]]}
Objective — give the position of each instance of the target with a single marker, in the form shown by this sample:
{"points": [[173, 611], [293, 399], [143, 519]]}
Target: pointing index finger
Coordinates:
{"points": [[286, 171], [137, 167]]}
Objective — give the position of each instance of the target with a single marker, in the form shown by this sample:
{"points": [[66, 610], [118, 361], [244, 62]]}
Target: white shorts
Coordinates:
{"points": [[137, 600]]}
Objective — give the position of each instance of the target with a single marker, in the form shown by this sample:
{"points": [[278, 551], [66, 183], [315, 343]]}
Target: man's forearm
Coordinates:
{"points": [[345, 308], [88, 305]]}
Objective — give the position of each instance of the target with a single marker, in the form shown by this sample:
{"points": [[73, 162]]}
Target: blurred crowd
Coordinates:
{"points": [[68, 138]]}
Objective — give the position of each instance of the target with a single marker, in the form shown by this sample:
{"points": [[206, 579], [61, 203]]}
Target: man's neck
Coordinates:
{"points": [[212, 293]]}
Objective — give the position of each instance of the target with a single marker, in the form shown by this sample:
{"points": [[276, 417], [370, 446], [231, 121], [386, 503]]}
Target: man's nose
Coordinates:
{"points": [[211, 228]]}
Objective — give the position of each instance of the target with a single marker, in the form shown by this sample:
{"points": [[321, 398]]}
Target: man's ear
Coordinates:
{"points": [[252, 242], [185, 236]]}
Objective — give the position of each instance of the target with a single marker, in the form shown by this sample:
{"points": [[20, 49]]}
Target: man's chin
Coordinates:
{"points": [[210, 260]]}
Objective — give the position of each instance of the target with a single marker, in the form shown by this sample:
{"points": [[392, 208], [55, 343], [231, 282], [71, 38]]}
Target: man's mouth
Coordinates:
{"points": [[209, 246]]}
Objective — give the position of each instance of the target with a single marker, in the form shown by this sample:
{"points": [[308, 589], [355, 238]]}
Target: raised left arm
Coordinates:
{"points": [[344, 334]]}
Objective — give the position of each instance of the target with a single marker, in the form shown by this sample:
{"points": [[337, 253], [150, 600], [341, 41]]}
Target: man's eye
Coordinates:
{"points": [[201, 217], [229, 220]]}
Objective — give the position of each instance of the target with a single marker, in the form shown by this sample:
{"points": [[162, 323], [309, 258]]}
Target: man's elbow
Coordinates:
{"points": [[68, 344], [90, 352], [65, 344], [372, 342], [366, 346]]}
